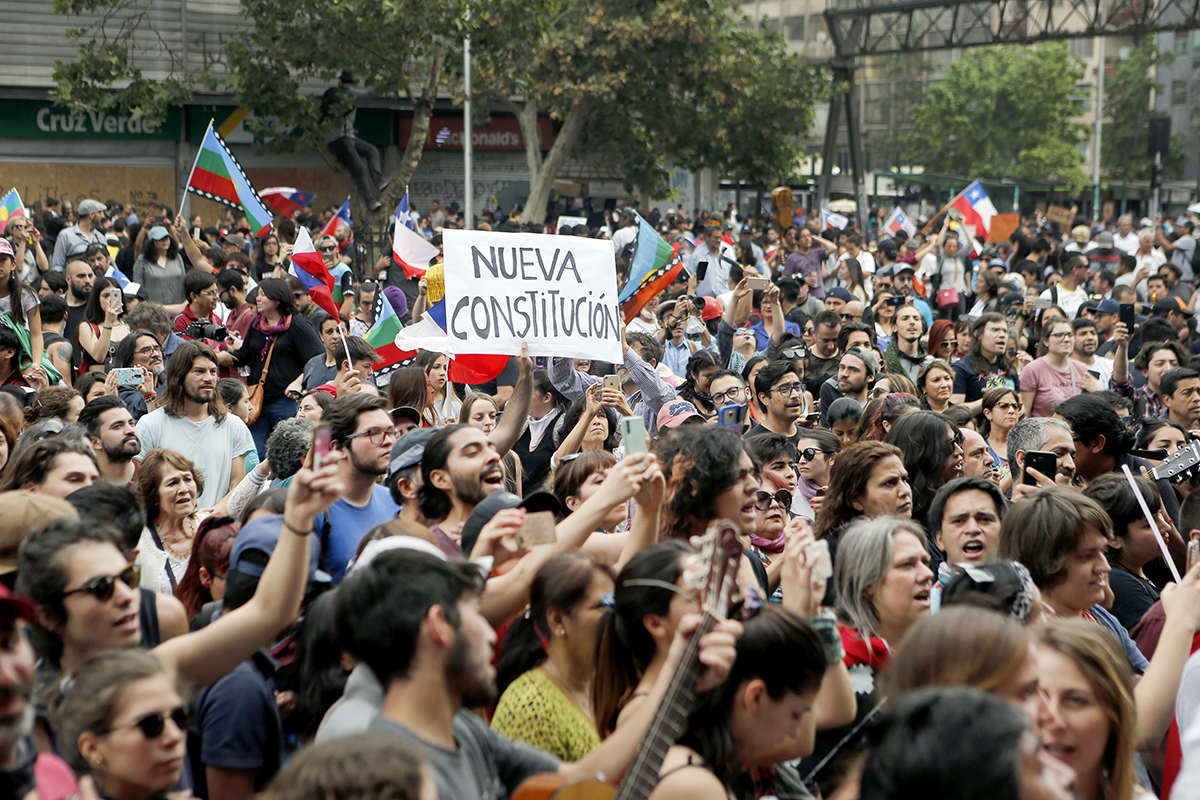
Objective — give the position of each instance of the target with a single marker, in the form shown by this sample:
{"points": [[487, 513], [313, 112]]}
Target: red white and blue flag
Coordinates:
{"points": [[976, 208], [283, 200], [410, 248], [342, 215], [830, 219], [309, 267], [898, 221]]}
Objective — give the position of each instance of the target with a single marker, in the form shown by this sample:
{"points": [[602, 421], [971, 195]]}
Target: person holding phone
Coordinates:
{"points": [[102, 327], [26, 241]]}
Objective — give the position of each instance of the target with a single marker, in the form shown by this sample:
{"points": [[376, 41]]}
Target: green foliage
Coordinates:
{"points": [[684, 77], [1128, 93], [1002, 112]]}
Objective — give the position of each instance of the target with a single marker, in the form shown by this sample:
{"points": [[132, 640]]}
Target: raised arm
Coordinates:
{"points": [[506, 595], [574, 438], [516, 410], [1120, 375], [212, 652], [197, 259], [570, 382]]}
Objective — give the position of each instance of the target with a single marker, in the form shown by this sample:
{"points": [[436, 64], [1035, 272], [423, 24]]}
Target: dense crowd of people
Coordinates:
{"points": [[953, 486]]}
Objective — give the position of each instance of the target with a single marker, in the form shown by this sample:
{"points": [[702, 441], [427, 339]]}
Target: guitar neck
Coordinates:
{"points": [[670, 721]]}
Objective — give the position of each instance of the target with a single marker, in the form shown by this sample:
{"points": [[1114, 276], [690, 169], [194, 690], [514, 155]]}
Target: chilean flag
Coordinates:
{"points": [[410, 248], [976, 209], [343, 215], [309, 267], [897, 221], [283, 200]]}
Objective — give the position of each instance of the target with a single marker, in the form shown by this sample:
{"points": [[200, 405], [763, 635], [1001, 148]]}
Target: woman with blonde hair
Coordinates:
{"points": [[1088, 719], [964, 646]]}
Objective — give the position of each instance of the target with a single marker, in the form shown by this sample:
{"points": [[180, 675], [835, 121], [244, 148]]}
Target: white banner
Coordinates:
{"points": [[558, 293]]}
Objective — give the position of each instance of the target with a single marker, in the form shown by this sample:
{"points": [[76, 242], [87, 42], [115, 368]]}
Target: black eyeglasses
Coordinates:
{"points": [[762, 500], [153, 725], [957, 441], [145, 351], [377, 435], [103, 586], [728, 396], [809, 453]]}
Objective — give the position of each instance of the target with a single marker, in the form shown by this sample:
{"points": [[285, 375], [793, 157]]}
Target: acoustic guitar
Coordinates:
{"points": [[714, 572]]}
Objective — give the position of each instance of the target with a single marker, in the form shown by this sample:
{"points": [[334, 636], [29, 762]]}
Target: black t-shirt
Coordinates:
{"points": [[1133, 596], [757, 429], [973, 384], [71, 329]]}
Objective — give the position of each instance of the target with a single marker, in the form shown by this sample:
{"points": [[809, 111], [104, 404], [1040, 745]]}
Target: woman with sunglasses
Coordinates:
{"points": [[816, 451], [86, 588], [942, 340], [1000, 410], [884, 313], [281, 335]]}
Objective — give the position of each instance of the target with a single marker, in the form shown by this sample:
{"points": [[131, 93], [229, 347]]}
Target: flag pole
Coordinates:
{"points": [[193, 170]]}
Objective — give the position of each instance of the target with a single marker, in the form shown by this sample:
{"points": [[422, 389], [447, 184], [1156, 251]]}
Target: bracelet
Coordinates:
{"points": [[825, 625], [296, 530], [108, 327]]}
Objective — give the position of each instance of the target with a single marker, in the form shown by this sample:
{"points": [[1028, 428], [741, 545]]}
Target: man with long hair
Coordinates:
{"points": [[987, 366], [193, 420]]}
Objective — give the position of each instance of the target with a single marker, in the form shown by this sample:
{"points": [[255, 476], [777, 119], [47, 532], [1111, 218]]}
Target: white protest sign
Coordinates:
{"points": [[558, 293], [572, 221]]}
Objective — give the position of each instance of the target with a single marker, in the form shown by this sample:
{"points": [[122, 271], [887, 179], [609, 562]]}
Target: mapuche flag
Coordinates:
{"points": [[655, 265], [217, 176]]}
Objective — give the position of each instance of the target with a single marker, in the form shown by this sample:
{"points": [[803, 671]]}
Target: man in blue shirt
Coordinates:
{"points": [[360, 426]]}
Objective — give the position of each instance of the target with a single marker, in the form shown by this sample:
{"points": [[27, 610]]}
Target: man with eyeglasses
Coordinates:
{"points": [[343, 278], [360, 427], [203, 295], [780, 390], [903, 284], [726, 387]]}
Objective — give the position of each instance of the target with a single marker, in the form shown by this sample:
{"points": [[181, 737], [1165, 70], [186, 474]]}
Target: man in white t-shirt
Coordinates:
{"points": [[193, 421], [1087, 339], [1070, 293]]}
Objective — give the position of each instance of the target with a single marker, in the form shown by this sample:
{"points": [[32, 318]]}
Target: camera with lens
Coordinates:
{"points": [[206, 330]]}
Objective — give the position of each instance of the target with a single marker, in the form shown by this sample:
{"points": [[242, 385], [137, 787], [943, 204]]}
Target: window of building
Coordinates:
{"points": [[1178, 93], [793, 29], [1082, 48]]}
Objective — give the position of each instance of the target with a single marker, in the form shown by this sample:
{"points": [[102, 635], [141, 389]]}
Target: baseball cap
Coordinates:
{"points": [[1105, 306], [889, 246], [498, 501], [91, 207], [676, 412], [234, 239], [409, 448], [840, 293], [6, 248], [1169, 304], [22, 512], [712, 309], [256, 541], [1080, 233], [902, 267], [159, 232], [1104, 239], [405, 412]]}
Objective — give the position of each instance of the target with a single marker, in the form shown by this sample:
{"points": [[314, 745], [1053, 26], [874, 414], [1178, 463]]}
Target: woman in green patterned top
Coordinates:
{"points": [[548, 658]]}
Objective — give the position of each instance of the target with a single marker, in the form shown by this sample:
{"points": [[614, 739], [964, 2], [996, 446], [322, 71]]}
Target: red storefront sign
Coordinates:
{"points": [[446, 133]]}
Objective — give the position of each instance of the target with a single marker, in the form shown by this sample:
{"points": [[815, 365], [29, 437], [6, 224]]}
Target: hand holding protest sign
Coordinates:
{"points": [[558, 293]]}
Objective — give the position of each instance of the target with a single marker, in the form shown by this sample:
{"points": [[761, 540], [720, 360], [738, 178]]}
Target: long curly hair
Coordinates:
{"points": [[700, 462]]}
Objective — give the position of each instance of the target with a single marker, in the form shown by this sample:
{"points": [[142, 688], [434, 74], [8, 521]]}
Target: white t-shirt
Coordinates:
{"points": [[1101, 365], [1069, 301], [1129, 243], [211, 447]]}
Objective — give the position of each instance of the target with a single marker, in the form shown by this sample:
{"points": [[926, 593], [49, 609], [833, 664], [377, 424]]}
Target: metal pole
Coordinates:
{"points": [[1154, 197], [468, 139], [1099, 117]]}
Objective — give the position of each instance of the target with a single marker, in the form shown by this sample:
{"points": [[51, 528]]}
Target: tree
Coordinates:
{"points": [[281, 45], [1128, 97], [1003, 112], [639, 80]]}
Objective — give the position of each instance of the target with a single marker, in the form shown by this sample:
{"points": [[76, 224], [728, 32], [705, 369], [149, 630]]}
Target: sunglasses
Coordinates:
{"points": [[809, 453], [762, 500], [102, 587], [153, 725]]}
